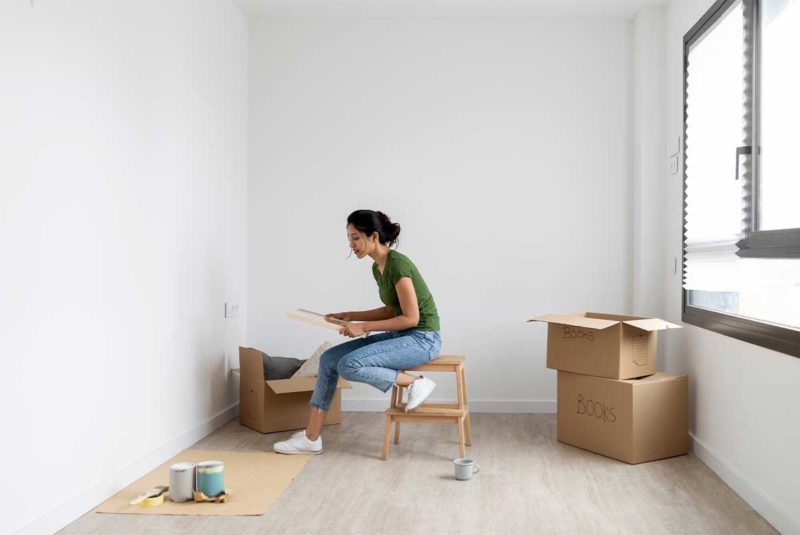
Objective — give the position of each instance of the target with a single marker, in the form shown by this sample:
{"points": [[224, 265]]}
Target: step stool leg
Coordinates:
{"points": [[463, 375], [397, 432], [461, 449], [460, 388], [386, 433]]}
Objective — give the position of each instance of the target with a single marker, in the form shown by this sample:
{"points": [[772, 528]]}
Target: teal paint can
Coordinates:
{"points": [[210, 478]]}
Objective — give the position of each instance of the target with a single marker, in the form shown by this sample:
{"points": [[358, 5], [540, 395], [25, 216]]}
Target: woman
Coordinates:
{"points": [[409, 320]]}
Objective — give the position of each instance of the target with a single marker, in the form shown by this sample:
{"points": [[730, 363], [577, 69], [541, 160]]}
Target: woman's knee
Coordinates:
{"points": [[328, 361], [347, 367]]}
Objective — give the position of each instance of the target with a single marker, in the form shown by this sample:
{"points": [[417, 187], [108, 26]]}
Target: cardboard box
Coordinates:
{"points": [[280, 405], [603, 345], [633, 420]]}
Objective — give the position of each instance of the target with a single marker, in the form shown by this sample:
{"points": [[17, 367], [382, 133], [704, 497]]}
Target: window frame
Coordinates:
{"points": [[784, 243], [778, 243]]}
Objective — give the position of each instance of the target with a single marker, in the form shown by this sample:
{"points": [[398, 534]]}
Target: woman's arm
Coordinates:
{"points": [[376, 314], [407, 320]]}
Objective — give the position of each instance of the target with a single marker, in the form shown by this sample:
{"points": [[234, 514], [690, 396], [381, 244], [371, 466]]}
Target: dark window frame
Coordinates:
{"points": [[757, 244], [779, 243], [782, 243]]}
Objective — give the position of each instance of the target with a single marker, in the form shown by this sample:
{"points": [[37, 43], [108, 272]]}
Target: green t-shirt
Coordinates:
{"points": [[398, 266]]}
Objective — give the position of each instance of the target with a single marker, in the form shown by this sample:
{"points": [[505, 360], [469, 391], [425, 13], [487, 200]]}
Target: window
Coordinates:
{"points": [[741, 261]]}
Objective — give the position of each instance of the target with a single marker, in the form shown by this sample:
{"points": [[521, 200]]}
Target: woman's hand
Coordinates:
{"points": [[337, 318], [353, 330]]}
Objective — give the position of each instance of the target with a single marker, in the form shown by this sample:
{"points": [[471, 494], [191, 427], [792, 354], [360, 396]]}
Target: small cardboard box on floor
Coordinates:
{"points": [[603, 345], [633, 420], [279, 405]]}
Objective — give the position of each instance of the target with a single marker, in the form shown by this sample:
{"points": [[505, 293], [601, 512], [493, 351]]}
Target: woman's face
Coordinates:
{"points": [[359, 243]]}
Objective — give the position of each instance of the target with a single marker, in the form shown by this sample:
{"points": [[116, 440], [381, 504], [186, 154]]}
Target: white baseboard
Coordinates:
{"points": [[67, 512], [766, 506], [512, 406]]}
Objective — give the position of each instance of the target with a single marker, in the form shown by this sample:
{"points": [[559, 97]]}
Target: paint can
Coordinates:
{"points": [[181, 482], [210, 478]]}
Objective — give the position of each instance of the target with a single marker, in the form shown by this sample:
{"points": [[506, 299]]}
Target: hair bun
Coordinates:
{"points": [[391, 230]]}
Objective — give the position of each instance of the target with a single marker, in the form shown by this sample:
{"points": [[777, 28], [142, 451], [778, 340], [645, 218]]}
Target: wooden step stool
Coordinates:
{"points": [[433, 413]]}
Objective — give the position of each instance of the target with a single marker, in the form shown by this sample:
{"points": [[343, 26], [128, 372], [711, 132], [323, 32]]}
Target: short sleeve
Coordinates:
{"points": [[402, 269]]}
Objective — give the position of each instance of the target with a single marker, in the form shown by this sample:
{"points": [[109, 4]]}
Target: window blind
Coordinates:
{"points": [[718, 126]]}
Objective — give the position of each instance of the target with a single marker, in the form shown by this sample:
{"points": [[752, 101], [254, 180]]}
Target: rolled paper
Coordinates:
{"points": [[152, 502]]}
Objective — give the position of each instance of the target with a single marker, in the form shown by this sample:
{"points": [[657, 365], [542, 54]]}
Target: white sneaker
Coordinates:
{"points": [[299, 444], [418, 391]]}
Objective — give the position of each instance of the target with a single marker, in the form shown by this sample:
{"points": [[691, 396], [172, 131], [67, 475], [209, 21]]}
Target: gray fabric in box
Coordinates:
{"points": [[279, 367]]}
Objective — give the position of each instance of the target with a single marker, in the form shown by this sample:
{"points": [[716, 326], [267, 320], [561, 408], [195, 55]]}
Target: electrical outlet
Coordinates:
{"points": [[231, 310], [673, 164], [675, 148]]}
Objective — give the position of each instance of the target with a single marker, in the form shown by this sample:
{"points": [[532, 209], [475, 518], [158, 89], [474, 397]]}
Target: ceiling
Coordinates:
{"points": [[401, 9]]}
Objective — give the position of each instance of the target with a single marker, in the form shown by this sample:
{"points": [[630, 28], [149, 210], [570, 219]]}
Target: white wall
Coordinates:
{"points": [[649, 138], [502, 148], [744, 413], [122, 202]]}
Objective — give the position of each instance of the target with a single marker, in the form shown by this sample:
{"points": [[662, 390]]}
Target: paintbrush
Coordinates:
{"points": [[150, 493]]}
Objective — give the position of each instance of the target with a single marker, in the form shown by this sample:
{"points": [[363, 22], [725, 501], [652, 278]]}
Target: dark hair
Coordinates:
{"points": [[369, 221]]}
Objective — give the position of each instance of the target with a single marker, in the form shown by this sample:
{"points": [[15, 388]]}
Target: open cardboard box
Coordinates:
{"points": [[279, 405], [633, 420], [603, 345]]}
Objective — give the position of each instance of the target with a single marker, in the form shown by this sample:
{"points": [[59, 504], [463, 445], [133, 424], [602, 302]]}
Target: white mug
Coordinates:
{"points": [[466, 468]]}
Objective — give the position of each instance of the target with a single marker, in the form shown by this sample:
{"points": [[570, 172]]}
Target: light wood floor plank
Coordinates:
{"points": [[528, 483]]}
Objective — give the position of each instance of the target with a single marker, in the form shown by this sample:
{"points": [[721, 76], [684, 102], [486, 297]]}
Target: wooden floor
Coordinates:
{"points": [[528, 483]]}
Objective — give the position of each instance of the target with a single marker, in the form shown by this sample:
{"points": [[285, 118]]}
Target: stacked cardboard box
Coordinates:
{"points": [[611, 400]]}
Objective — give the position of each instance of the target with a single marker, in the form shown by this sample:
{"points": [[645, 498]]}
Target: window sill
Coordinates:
{"points": [[782, 339]]}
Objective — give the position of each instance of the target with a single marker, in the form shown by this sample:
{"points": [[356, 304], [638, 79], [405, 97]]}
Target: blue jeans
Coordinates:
{"points": [[375, 360]]}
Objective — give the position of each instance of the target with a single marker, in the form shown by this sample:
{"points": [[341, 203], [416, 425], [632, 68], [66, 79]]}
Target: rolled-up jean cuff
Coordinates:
{"points": [[318, 407], [392, 383]]}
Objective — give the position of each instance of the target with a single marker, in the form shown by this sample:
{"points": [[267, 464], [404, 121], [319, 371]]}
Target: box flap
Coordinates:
{"points": [[652, 324], [306, 384], [251, 362], [614, 317], [576, 320]]}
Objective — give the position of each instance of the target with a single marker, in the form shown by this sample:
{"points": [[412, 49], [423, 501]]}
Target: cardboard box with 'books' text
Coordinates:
{"points": [[633, 420], [278, 405], [603, 345]]}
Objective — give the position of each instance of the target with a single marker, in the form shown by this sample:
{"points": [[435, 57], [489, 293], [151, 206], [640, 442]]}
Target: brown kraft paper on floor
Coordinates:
{"points": [[255, 479]]}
